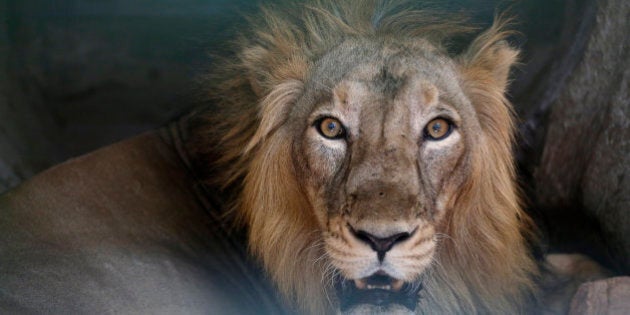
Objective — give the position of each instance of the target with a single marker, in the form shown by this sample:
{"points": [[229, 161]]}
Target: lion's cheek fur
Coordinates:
{"points": [[282, 226], [313, 179]]}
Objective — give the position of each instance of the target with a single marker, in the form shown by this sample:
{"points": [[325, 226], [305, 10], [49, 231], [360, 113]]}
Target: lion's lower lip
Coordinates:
{"points": [[380, 290], [379, 282]]}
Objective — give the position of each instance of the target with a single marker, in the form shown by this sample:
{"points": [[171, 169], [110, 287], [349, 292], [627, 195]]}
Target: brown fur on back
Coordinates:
{"points": [[481, 266]]}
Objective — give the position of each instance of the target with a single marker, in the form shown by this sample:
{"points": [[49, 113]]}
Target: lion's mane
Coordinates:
{"points": [[482, 263]]}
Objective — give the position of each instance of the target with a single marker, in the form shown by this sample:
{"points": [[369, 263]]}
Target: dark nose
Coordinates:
{"points": [[381, 245]]}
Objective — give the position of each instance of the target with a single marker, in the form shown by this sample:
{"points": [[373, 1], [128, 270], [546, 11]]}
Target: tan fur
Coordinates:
{"points": [[481, 265]]}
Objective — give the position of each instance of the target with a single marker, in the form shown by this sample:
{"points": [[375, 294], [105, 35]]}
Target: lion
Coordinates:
{"points": [[372, 167]]}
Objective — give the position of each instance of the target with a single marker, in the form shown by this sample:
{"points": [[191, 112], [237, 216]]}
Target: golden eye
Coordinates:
{"points": [[330, 128], [438, 129]]}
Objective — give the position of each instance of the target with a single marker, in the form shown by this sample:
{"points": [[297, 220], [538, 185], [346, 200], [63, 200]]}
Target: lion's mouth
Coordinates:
{"points": [[378, 289]]}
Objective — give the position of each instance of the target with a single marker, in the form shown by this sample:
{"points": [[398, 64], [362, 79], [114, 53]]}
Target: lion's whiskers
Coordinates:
{"points": [[328, 278]]}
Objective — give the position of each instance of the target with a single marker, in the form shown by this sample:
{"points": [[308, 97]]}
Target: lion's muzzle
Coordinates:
{"points": [[383, 269]]}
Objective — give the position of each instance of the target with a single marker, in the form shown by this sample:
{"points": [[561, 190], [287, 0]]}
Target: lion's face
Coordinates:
{"points": [[382, 149], [371, 162]]}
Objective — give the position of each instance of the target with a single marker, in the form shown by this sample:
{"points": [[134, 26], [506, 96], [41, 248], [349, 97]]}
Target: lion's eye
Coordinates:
{"points": [[438, 129], [330, 128]]}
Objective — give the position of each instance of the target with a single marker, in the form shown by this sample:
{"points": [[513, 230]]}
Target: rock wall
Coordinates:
{"points": [[584, 169]]}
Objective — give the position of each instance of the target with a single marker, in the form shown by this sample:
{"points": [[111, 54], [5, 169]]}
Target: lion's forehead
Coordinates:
{"points": [[385, 107], [367, 81], [384, 63]]}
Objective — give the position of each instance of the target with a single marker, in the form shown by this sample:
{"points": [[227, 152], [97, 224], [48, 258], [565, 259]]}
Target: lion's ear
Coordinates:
{"points": [[490, 58], [485, 70]]}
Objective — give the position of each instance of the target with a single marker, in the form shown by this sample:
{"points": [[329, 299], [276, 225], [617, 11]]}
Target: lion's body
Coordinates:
{"points": [[381, 70]]}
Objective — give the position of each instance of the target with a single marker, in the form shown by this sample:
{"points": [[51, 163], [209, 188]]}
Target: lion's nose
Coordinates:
{"points": [[381, 245]]}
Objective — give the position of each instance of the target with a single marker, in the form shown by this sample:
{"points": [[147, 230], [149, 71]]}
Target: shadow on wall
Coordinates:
{"points": [[77, 74]]}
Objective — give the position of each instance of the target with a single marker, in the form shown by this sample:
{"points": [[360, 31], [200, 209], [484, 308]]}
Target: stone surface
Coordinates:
{"points": [[562, 275], [77, 75], [585, 165], [610, 297], [28, 133]]}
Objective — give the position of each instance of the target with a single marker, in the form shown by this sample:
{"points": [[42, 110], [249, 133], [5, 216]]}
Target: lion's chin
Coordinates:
{"points": [[376, 294], [392, 309]]}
